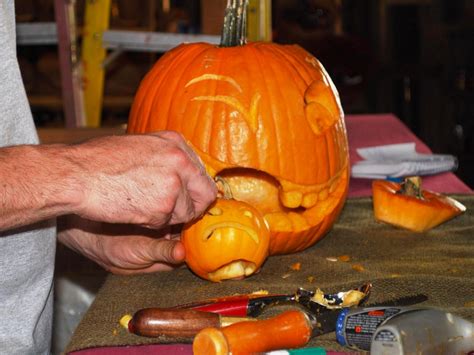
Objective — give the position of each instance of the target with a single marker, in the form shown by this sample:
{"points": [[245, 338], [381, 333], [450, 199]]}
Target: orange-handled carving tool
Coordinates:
{"points": [[290, 329]]}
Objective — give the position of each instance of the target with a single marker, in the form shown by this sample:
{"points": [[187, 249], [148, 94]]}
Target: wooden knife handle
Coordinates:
{"points": [[290, 329], [182, 323]]}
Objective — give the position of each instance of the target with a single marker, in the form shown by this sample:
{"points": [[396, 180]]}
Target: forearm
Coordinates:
{"points": [[36, 183], [149, 180]]}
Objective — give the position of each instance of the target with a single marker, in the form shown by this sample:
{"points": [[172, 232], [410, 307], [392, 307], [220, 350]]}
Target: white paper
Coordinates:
{"points": [[399, 160]]}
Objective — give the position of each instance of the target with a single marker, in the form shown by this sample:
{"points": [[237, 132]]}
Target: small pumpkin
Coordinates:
{"points": [[265, 117], [406, 205], [229, 241]]}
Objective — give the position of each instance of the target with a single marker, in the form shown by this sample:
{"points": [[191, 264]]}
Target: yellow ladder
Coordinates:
{"points": [[96, 21], [259, 20]]}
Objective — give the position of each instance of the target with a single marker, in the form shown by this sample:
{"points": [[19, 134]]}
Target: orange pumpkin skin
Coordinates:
{"points": [[410, 212], [267, 115], [229, 241]]}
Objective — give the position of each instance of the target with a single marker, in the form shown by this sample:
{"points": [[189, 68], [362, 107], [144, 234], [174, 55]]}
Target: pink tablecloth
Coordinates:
{"points": [[372, 130], [363, 131]]}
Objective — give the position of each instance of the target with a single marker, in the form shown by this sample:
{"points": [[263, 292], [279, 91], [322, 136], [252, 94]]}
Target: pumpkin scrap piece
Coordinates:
{"points": [[358, 267], [469, 304], [260, 292], [125, 320], [406, 205], [296, 266], [344, 258], [340, 300]]}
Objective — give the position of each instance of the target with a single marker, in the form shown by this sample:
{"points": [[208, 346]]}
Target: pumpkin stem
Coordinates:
{"points": [[412, 187], [235, 24], [223, 188]]}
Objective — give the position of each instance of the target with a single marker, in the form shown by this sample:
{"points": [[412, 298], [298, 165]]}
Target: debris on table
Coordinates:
{"points": [[296, 266], [358, 267]]}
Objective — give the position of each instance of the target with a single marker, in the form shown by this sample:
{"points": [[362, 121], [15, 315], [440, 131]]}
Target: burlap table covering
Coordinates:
{"points": [[439, 263]]}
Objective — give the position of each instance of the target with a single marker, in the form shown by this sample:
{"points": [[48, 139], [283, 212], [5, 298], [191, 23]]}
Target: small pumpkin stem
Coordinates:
{"points": [[235, 24], [412, 187], [223, 188]]}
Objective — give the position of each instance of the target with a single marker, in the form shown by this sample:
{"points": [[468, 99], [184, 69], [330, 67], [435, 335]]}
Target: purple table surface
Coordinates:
{"points": [[379, 129]]}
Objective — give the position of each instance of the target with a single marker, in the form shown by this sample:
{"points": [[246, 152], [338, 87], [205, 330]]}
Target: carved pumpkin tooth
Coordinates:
{"points": [[279, 221], [298, 221], [291, 199], [323, 194], [310, 199], [229, 271], [249, 269]]}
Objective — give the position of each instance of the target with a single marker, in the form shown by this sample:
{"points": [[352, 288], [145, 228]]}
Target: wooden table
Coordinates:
{"points": [[363, 131]]}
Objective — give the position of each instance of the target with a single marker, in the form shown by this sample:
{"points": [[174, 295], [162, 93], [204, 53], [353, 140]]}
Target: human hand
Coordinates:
{"points": [[122, 249], [149, 180]]}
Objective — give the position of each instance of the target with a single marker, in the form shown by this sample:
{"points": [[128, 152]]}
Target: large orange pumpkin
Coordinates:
{"points": [[266, 118]]}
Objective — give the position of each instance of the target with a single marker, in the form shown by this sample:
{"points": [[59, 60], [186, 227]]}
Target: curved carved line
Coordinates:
{"points": [[217, 77]]}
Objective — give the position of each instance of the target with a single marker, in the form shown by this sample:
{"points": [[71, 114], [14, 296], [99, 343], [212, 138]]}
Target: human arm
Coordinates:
{"points": [[148, 180]]}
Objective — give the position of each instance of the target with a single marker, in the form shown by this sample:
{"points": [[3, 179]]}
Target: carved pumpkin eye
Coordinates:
{"points": [[215, 211], [248, 214]]}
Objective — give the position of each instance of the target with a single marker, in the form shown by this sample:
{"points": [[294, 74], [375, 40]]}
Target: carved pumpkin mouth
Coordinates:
{"points": [[286, 206], [236, 269]]}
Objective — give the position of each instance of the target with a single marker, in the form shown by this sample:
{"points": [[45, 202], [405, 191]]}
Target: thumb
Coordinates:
{"points": [[167, 251]]}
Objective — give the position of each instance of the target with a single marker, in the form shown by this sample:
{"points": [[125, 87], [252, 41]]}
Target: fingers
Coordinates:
{"points": [[149, 180], [166, 251], [178, 138], [202, 194], [199, 190], [184, 209], [145, 255]]}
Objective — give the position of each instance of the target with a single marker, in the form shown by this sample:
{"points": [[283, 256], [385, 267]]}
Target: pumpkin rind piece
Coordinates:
{"points": [[410, 212]]}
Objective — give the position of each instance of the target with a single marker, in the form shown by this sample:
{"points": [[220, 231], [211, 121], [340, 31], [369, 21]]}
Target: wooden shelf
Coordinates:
{"points": [[76, 135], [55, 102]]}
